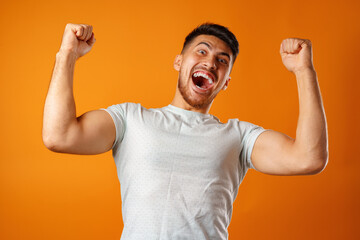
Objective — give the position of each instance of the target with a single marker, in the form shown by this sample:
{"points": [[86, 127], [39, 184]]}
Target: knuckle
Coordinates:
{"points": [[69, 25]]}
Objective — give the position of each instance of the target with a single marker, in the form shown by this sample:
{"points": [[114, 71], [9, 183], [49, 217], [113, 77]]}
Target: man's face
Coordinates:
{"points": [[204, 68]]}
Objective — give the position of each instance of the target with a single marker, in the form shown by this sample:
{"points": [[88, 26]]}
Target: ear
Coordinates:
{"points": [[226, 83], [177, 62]]}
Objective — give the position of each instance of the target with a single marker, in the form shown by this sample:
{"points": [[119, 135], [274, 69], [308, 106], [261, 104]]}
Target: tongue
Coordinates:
{"points": [[201, 82]]}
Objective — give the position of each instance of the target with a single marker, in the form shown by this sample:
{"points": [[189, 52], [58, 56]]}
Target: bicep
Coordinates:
{"points": [[93, 133], [275, 153]]}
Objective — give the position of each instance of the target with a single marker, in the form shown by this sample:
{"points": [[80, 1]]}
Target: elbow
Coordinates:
{"points": [[316, 166], [320, 166], [51, 143], [48, 142]]}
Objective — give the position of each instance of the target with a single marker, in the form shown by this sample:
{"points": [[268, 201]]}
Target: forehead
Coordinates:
{"points": [[213, 41], [216, 44]]}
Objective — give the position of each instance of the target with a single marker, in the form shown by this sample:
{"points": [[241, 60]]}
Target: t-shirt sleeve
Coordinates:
{"points": [[249, 133], [118, 114]]}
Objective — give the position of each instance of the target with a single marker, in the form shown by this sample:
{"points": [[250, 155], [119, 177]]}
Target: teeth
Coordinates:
{"points": [[200, 74]]}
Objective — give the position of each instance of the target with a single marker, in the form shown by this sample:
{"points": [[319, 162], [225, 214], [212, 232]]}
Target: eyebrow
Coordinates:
{"points": [[209, 46]]}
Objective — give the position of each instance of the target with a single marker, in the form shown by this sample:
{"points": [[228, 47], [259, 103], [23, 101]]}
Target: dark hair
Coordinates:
{"points": [[218, 31]]}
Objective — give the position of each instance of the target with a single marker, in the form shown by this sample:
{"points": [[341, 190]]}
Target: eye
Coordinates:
{"points": [[202, 51], [222, 60]]}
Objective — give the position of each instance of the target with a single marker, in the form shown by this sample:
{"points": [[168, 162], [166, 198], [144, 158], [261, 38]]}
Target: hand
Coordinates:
{"points": [[296, 54], [78, 39]]}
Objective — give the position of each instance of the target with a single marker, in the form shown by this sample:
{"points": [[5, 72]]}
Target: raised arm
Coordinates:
{"points": [[276, 153], [90, 133]]}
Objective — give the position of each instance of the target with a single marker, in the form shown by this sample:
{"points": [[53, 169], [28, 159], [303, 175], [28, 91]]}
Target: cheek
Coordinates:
{"points": [[221, 85], [187, 67], [190, 62]]}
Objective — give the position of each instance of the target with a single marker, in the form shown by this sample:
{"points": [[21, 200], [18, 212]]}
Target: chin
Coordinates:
{"points": [[197, 101]]}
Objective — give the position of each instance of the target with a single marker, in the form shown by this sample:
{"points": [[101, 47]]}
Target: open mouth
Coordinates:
{"points": [[202, 80]]}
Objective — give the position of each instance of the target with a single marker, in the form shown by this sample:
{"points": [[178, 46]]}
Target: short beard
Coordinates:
{"points": [[185, 93]]}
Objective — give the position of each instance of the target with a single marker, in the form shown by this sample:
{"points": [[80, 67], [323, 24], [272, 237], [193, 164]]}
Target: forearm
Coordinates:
{"points": [[59, 109], [311, 132]]}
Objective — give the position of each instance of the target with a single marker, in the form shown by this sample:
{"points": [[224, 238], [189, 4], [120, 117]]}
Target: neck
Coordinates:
{"points": [[179, 102]]}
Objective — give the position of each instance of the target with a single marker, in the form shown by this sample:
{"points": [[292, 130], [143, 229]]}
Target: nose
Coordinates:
{"points": [[210, 62]]}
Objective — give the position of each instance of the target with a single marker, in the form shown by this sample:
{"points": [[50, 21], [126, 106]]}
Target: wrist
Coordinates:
{"points": [[305, 71], [66, 54]]}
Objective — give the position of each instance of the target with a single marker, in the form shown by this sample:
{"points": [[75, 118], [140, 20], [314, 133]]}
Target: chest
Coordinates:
{"points": [[181, 147]]}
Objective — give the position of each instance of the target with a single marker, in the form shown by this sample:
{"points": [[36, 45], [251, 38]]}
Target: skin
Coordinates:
{"points": [[274, 152], [205, 53]]}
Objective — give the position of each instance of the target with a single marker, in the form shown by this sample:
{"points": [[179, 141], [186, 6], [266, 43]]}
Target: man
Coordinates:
{"points": [[180, 167]]}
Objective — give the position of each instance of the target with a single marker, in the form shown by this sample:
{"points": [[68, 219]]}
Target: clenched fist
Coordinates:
{"points": [[296, 54], [78, 38]]}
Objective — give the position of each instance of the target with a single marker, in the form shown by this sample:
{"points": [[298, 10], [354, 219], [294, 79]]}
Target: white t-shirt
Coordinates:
{"points": [[179, 171]]}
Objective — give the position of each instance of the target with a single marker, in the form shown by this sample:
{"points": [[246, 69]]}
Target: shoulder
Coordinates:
{"points": [[126, 106], [242, 125], [132, 110], [245, 128]]}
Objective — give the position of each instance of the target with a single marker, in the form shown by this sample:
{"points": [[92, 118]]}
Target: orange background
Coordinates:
{"points": [[46, 195]]}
